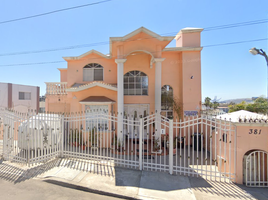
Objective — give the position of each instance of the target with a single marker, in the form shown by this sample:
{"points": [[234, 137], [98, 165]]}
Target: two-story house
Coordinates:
{"points": [[135, 74]]}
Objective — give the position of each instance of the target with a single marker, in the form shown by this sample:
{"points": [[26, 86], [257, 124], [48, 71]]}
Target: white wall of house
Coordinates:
{"points": [[22, 105], [10, 98], [3, 95]]}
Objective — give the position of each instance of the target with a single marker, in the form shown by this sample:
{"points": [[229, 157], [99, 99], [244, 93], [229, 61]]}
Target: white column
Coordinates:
{"points": [[120, 96], [158, 84]]}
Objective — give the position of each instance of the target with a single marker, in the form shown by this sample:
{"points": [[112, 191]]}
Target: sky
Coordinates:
{"points": [[228, 71]]}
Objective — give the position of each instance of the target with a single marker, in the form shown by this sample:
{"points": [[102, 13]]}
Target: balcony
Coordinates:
{"points": [[56, 88]]}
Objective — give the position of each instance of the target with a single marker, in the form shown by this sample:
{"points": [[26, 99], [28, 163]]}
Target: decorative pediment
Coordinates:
{"points": [[86, 54], [144, 30], [80, 87]]}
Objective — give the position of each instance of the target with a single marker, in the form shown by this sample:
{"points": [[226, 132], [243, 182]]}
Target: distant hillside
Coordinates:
{"points": [[248, 100]]}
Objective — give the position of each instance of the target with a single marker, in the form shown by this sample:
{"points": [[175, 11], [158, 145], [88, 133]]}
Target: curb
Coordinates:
{"points": [[85, 189]]}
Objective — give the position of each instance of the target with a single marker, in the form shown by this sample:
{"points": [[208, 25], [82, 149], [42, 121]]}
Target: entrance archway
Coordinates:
{"points": [[255, 168]]}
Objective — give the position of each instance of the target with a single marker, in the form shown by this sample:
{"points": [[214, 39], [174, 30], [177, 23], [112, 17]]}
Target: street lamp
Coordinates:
{"points": [[255, 51]]}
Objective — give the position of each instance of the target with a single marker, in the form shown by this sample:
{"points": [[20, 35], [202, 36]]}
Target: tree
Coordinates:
{"points": [[231, 103], [260, 105], [215, 104], [207, 102], [237, 107]]}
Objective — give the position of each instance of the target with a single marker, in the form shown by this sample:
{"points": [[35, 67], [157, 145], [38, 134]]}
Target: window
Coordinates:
{"points": [[135, 83], [93, 72], [167, 101], [24, 95]]}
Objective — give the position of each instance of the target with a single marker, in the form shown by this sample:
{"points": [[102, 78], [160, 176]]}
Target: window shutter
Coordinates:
{"points": [[88, 74], [98, 74]]}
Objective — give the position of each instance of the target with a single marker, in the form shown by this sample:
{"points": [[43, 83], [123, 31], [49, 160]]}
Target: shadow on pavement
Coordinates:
{"points": [[225, 190], [17, 174]]}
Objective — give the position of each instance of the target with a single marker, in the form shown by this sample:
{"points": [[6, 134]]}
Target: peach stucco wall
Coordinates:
{"points": [[247, 142], [177, 68], [75, 69], [141, 62], [63, 75], [191, 67], [239, 142], [94, 91], [141, 41], [188, 40]]}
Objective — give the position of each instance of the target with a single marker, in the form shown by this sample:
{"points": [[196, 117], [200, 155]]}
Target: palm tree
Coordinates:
{"points": [[207, 102]]}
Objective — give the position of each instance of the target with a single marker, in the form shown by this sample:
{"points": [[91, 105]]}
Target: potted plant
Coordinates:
{"points": [[83, 146], [174, 146], [156, 145], [114, 140], [119, 146], [75, 138], [94, 138]]}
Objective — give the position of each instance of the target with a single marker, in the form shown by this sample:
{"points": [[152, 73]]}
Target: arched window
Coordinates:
{"points": [[167, 101], [135, 83], [93, 72]]}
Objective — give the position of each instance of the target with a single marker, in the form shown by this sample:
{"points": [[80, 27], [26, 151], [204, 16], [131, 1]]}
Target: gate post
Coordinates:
{"points": [[170, 146], [140, 143], [62, 138], [4, 134]]}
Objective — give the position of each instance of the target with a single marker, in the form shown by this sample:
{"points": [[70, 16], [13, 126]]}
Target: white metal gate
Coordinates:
{"points": [[31, 138], [256, 169], [195, 146]]}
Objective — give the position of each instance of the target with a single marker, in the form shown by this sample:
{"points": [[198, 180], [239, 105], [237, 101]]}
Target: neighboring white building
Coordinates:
{"points": [[19, 97]]}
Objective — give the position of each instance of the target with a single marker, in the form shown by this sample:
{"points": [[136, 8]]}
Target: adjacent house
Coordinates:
{"points": [[20, 98], [140, 76]]}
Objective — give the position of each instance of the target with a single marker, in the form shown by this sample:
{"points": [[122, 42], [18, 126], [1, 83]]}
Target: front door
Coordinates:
{"points": [[136, 110]]}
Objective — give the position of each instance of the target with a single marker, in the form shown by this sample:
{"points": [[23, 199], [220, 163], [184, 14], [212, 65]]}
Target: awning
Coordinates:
{"points": [[97, 100]]}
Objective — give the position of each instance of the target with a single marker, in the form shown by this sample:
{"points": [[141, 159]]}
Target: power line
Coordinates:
{"points": [[38, 63], [229, 43], [107, 42], [54, 11], [54, 62], [55, 49], [260, 21]]}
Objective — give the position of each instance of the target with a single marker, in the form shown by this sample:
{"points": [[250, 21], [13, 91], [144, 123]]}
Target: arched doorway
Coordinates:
{"points": [[255, 168]]}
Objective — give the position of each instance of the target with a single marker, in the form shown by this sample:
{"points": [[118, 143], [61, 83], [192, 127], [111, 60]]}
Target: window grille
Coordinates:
{"points": [[24, 95], [135, 83]]}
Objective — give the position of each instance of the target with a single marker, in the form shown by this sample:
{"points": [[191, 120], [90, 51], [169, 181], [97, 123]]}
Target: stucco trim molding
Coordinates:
{"points": [[90, 85], [139, 30], [188, 30], [183, 49], [96, 103], [85, 54]]}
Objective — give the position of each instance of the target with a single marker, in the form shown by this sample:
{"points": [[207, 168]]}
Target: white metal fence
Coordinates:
{"points": [[195, 146]]}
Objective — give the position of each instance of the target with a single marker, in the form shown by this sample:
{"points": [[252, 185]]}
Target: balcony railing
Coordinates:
{"points": [[55, 88]]}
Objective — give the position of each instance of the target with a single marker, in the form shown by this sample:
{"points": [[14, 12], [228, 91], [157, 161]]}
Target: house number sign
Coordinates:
{"points": [[255, 131]]}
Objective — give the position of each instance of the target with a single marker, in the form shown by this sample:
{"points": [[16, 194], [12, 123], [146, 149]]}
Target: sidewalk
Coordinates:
{"points": [[104, 178]]}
